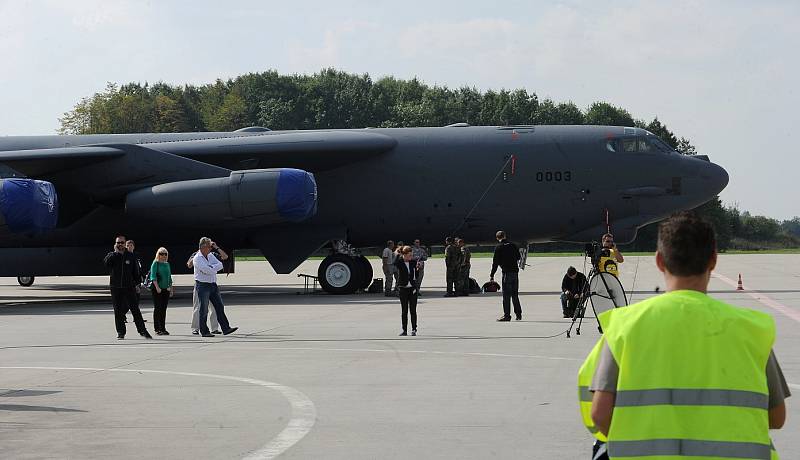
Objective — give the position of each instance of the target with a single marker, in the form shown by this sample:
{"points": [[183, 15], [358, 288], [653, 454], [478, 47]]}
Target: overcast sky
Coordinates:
{"points": [[721, 73]]}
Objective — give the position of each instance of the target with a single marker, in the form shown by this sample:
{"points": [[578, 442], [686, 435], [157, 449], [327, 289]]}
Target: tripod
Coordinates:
{"points": [[608, 292]]}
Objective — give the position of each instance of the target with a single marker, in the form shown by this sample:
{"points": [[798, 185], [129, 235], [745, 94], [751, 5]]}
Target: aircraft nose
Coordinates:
{"points": [[717, 177]]}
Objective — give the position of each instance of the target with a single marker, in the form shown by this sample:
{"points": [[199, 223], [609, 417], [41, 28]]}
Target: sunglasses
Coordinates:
{"points": [[163, 253]]}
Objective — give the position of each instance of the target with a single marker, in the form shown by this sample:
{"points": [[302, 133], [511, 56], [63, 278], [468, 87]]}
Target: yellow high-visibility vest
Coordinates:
{"points": [[692, 379]]}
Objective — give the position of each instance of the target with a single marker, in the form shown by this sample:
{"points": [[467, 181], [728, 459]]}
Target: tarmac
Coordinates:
{"points": [[322, 376]]}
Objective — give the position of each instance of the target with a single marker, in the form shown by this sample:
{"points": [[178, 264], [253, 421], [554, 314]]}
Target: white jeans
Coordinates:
{"points": [[213, 324]]}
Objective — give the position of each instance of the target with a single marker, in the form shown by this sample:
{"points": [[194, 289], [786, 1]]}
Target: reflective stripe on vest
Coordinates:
{"points": [[691, 380], [688, 448], [691, 397]]}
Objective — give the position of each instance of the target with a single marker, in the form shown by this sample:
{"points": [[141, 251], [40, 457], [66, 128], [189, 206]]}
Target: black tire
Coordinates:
{"points": [[366, 269], [340, 274], [26, 281]]}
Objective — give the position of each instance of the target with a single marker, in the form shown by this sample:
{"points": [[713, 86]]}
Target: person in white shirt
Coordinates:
{"points": [[212, 314], [419, 254], [206, 266], [389, 269]]}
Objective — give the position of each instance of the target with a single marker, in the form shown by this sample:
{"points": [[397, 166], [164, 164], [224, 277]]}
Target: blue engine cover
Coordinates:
{"points": [[296, 194], [28, 206]]}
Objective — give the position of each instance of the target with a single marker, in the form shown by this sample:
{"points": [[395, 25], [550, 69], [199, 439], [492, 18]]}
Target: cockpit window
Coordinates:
{"points": [[629, 145], [660, 145]]}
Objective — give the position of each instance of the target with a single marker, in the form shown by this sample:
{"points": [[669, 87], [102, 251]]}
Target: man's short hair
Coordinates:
{"points": [[406, 250], [204, 241], [448, 240], [571, 271], [389, 243], [687, 244], [500, 235]]}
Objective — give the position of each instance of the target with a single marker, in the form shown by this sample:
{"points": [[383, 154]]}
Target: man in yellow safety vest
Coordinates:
{"points": [[681, 374]]}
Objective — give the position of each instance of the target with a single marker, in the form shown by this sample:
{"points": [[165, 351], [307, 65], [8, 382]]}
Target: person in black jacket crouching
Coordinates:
{"points": [[125, 276], [407, 288]]}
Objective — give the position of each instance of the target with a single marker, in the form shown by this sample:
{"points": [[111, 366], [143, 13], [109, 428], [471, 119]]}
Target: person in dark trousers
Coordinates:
{"points": [[161, 275], [130, 245], [407, 288], [451, 262], [465, 260], [506, 256], [572, 286], [125, 276]]}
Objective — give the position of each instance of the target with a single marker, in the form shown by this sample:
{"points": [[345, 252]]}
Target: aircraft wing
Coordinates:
{"points": [[106, 173], [312, 151]]}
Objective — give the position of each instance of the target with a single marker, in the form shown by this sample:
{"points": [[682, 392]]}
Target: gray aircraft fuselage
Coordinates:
{"points": [[538, 183]]}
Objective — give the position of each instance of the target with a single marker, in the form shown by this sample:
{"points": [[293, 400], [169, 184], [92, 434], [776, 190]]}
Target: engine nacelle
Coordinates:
{"points": [[249, 197], [28, 205]]}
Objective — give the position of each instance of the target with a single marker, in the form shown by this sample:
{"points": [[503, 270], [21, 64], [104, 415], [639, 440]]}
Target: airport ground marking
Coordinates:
{"points": [[304, 413], [761, 298]]}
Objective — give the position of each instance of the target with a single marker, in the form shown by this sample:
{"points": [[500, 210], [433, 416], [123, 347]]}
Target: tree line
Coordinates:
{"points": [[334, 99]]}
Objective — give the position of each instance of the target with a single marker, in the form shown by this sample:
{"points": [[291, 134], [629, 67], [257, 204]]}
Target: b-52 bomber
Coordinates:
{"points": [[290, 193]]}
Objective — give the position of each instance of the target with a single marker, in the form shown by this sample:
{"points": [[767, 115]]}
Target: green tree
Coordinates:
{"points": [[603, 113]]}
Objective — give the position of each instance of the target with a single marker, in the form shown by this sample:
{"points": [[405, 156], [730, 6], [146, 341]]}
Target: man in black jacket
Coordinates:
{"points": [[125, 276], [572, 286], [506, 255]]}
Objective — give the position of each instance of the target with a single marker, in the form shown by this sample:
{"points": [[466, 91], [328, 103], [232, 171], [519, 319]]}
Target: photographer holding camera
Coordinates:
{"points": [[610, 256]]}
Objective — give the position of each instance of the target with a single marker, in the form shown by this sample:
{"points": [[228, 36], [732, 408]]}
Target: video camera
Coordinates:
{"points": [[594, 251]]}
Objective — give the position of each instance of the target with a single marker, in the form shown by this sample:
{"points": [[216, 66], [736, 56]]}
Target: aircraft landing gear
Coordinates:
{"points": [[25, 281], [344, 272]]}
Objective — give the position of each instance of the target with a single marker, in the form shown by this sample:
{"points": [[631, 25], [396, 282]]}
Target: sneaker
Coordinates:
{"points": [[159, 333], [519, 317], [403, 333], [414, 332], [120, 337], [216, 331], [230, 331], [207, 334], [164, 332], [146, 335], [504, 318], [195, 332]]}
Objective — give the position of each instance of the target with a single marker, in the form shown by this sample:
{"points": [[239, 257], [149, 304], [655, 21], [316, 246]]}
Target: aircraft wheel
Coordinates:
{"points": [[25, 280], [340, 274], [367, 270]]}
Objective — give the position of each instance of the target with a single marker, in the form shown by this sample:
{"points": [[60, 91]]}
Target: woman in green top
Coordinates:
{"points": [[162, 289]]}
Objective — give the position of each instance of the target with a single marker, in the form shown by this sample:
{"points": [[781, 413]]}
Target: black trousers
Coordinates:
{"points": [[462, 285], [124, 299], [408, 302], [452, 279], [510, 288], [160, 302]]}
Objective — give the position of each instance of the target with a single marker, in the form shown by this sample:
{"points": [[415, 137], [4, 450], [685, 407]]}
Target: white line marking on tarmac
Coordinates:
{"points": [[358, 350], [761, 298], [304, 413]]}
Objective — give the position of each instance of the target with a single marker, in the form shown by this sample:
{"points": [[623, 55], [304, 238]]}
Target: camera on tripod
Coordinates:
{"points": [[594, 252]]}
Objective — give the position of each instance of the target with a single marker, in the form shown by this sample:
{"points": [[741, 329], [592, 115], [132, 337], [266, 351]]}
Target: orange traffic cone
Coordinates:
{"points": [[739, 285]]}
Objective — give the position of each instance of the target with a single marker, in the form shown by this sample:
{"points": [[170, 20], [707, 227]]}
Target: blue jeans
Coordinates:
{"points": [[210, 292], [568, 304]]}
